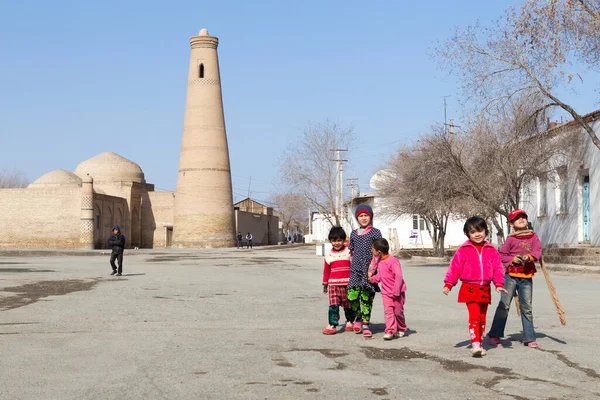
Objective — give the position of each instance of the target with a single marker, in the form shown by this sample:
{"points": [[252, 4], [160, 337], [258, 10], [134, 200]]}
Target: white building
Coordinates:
{"points": [[564, 206], [405, 231]]}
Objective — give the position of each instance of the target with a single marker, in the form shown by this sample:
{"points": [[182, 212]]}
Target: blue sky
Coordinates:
{"points": [[79, 78]]}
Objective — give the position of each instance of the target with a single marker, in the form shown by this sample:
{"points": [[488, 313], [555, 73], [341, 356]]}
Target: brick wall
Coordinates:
{"points": [[264, 228], [157, 212], [108, 212], [40, 218]]}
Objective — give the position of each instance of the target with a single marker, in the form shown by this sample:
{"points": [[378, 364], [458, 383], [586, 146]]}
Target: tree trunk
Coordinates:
{"points": [[441, 245]]}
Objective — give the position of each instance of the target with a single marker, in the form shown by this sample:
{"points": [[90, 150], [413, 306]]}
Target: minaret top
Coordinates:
{"points": [[204, 40]]}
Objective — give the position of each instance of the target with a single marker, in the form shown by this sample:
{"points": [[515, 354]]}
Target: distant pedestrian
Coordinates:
{"points": [[476, 263], [289, 239], [388, 274], [336, 274], [295, 238], [239, 238], [116, 241], [249, 239], [519, 253]]}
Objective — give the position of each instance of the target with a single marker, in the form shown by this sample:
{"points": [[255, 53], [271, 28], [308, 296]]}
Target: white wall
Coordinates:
{"points": [[566, 229]]}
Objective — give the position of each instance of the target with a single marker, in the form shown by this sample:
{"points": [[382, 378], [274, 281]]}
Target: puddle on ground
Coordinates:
{"points": [[282, 362], [20, 270], [329, 353], [33, 292], [176, 258], [501, 373], [378, 391], [264, 260]]}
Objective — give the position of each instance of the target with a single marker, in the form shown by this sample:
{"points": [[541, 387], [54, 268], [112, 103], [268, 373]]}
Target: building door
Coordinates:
{"points": [[585, 208], [169, 236]]}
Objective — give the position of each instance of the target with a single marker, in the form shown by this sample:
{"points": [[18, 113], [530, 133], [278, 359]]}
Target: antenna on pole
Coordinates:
{"points": [[445, 123]]}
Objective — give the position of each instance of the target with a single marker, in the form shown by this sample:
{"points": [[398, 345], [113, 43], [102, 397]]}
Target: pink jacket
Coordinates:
{"points": [[471, 267], [389, 276]]}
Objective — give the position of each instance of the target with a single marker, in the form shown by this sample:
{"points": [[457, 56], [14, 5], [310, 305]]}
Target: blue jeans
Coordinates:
{"points": [[524, 288]]}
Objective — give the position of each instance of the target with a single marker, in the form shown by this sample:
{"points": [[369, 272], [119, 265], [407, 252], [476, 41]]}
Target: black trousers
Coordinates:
{"points": [[119, 258]]}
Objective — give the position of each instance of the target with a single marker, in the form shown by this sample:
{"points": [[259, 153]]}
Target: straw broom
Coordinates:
{"points": [[559, 310]]}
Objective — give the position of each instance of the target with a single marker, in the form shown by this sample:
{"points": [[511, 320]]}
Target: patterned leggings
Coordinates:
{"points": [[361, 303]]}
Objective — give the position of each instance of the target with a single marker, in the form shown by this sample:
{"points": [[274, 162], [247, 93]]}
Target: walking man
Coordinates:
{"points": [[239, 238], [249, 239], [116, 241]]}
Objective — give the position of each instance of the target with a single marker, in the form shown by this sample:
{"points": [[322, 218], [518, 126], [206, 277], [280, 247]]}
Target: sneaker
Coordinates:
{"points": [[476, 350], [357, 327], [533, 344], [388, 336], [330, 330], [494, 341], [349, 327], [366, 332], [119, 274], [399, 334], [114, 272]]}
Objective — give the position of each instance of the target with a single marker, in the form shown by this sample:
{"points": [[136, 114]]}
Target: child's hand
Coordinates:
{"points": [[517, 260], [501, 289], [446, 290], [369, 275], [324, 288]]}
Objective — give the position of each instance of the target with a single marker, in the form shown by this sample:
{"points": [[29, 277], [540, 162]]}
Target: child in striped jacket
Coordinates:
{"points": [[336, 274]]}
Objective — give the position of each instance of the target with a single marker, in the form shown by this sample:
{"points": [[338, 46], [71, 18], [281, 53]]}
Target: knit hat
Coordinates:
{"points": [[117, 227], [363, 208], [514, 214]]}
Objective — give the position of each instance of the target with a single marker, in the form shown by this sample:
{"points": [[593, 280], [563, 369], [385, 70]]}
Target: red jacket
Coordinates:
{"points": [[471, 267]]}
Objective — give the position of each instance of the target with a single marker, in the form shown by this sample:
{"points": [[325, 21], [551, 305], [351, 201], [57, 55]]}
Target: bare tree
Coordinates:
{"points": [[493, 162], [414, 182], [530, 54], [307, 166], [13, 179], [293, 209]]}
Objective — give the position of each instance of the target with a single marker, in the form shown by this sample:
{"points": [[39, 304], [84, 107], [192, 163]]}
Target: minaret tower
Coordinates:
{"points": [[204, 215]]}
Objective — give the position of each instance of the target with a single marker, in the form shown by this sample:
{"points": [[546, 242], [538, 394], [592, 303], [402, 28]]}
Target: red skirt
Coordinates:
{"points": [[471, 293]]}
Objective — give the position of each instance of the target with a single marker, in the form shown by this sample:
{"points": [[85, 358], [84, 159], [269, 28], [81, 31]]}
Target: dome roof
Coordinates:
{"points": [[111, 167], [56, 178]]}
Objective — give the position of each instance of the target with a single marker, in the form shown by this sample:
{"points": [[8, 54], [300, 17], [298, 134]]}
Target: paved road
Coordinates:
{"points": [[228, 324]]}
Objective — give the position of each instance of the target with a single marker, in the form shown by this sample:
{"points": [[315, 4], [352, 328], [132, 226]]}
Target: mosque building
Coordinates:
{"points": [[77, 210]]}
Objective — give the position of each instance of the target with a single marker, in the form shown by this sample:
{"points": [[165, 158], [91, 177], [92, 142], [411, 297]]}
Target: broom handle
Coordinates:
{"points": [[552, 289]]}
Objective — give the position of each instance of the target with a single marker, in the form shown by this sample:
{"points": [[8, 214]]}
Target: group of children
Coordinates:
{"points": [[354, 271]]}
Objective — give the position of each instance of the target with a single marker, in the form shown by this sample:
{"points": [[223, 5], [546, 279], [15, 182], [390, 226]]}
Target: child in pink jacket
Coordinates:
{"points": [[476, 263], [388, 274]]}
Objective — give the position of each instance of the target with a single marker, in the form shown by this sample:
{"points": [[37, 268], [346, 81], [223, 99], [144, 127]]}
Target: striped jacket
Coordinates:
{"points": [[336, 271]]}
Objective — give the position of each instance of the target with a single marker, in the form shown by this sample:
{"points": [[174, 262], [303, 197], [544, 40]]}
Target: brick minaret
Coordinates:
{"points": [[204, 215]]}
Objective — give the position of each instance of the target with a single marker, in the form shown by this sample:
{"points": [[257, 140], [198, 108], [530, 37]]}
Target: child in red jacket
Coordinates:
{"points": [[388, 274], [476, 263]]}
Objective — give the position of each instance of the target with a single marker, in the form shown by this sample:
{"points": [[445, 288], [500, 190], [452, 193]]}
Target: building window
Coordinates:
{"points": [[542, 196], [562, 194], [201, 71], [419, 223]]}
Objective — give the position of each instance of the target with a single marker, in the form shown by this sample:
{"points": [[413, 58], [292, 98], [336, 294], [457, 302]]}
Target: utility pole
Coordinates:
{"points": [[352, 185], [339, 182]]}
